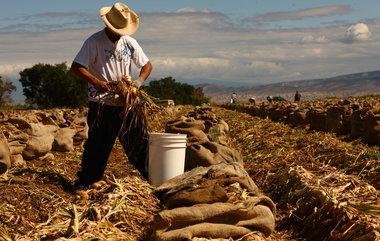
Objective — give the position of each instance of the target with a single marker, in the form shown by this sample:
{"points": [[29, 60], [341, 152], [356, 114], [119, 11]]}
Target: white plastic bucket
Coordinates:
{"points": [[166, 156]]}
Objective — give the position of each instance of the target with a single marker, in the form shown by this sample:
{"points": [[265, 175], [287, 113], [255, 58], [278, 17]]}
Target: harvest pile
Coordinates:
{"points": [[354, 117]]}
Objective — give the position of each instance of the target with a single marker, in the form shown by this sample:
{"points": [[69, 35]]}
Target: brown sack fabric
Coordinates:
{"points": [[210, 153], [5, 155], [210, 230], [220, 201], [254, 236], [193, 128], [204, 194], [255, 213], [198, 175]]}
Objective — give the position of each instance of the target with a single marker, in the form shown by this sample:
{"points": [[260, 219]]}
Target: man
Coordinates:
{"points": [[297, 96], [252, 100], [234, 98], [104, 58]]}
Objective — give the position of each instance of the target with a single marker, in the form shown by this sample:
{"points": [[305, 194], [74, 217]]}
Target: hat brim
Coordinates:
{"points": [[129, 30]]}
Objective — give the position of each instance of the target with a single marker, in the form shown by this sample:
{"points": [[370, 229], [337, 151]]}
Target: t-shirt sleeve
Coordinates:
{"points": [[139, 57], [85, 55]]}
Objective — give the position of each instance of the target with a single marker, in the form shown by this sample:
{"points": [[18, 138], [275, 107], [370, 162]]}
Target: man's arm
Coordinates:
{"points": [[82, 73], [144, 74]]}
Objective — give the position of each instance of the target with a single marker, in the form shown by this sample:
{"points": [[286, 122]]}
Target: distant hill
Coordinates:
{"points": [[345, 85]]}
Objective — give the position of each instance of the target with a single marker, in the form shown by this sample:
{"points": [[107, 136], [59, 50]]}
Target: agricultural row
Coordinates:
{"points": [[314, 178], [30, 135], [354, 117]]}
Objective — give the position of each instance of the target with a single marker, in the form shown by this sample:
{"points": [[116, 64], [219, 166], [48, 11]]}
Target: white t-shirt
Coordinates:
{"points": [[109, 61]]}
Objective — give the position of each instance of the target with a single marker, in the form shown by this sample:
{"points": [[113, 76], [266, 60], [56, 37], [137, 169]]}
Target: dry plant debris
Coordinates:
{"points": [[36, 202], [273, 149]]}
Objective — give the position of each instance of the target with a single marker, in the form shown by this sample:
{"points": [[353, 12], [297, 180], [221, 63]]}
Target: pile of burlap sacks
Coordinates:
{"points": [[34, 134], [358, 119], [215, 199]]}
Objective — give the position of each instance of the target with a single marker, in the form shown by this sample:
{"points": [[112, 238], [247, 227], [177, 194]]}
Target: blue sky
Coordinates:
{"points": [[244, 42]]}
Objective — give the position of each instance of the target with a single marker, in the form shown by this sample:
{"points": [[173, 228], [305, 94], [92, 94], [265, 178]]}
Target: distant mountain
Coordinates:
{"points": [[344, 85]]}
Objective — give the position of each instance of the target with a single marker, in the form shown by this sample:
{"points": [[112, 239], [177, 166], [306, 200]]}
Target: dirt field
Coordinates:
{"points": [[324, 188], [315, 179]]}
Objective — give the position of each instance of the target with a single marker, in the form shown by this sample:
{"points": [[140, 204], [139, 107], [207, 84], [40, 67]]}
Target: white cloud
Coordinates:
{"points": [[11, 71], [310, 39], [356, 33], [301, 14], [192, 10], [205, 46]]}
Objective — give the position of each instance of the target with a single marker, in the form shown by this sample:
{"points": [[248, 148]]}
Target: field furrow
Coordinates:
{"points": [[303, 174]]}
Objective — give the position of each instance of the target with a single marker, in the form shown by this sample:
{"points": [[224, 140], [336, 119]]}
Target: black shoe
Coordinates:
{"points": [[79, 186]]}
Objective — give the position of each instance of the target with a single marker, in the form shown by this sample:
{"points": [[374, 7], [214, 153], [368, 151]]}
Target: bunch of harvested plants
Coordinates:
{"points": [[137, 103]]}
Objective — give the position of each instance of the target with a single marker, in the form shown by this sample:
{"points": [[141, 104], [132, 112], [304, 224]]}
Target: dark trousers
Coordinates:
{"points": [[105, 124]]}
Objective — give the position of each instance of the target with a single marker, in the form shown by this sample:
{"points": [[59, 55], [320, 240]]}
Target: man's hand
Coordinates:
{"points": [[102, 86], [82, 73]]}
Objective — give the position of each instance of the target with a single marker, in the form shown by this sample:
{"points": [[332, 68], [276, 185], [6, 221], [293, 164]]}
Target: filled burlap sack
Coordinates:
{"points": [[357, 123], [227, 173], [38, 146], [18, 161], [16, 147], [316, 117], [40, 140], [203, 194], [5, 155], [297, 117], [253, 236], [193, 128], [81, 127], [20, 123], [209, 153], [338, 120], [63, 140], [372, 129], [210, 230], [255, 213], [218, 132], [38, 129]]}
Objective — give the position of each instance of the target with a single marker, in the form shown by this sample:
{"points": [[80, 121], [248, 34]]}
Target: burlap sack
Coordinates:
{"points": [[38, 146], [357, 123], [338, 120], [63, 140], [221, 220], [254, 236], [203, 194], [218, 132], [197, 176], [372, 129], [209, 153], [193, 128], [5, 155], [317, 119]]}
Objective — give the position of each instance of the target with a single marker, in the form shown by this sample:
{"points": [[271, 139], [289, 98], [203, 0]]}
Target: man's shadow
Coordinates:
{"points": [[58, 178]]}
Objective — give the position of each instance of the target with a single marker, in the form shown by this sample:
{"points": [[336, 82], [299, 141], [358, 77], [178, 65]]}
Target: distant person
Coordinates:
{"points": [[252, 101], [297, 96], [233, 98]]}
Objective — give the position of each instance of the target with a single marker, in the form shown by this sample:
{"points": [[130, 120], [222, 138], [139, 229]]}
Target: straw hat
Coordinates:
{"points": [[120, 19]]}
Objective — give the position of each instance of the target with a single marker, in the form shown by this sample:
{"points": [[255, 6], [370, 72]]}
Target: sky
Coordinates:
{"points": [[234, 43]]}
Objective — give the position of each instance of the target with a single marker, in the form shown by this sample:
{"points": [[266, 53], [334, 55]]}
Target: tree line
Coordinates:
{"points": [[48, 86]]}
